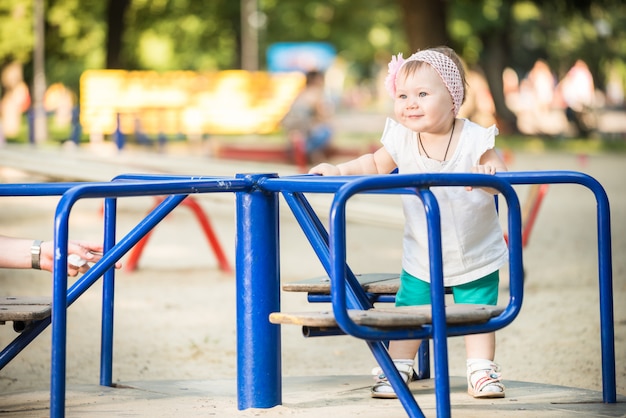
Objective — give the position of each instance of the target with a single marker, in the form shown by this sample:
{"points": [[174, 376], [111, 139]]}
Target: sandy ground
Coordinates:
{"points": [[175, 315]]}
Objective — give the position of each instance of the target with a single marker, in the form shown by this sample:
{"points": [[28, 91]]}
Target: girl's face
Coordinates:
{"points": [[422, 102]]}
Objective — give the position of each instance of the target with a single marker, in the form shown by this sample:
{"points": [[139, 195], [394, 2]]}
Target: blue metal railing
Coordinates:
{"points": [[178, 191], [258, 275], [342, 289], [439, 331]]}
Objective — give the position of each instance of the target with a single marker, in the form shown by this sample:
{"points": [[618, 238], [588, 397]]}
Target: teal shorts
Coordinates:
{"points": [[483, 291]]}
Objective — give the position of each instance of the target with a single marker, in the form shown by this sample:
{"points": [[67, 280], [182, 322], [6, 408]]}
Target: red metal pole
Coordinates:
{"points": [[203, 219]]}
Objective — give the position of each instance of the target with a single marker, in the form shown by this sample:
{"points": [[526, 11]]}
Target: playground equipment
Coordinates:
{"points": [[207, 228], [258, 276]]}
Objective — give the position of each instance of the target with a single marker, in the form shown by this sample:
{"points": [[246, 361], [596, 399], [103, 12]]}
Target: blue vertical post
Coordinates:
{"points": [[258, 294], [437, 296], [605, 273], [108, 297], [423, 360], [59, 313]]}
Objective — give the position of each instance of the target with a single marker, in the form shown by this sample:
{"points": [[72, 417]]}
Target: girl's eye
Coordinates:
{"points": [[402, 96], [422, 94]]}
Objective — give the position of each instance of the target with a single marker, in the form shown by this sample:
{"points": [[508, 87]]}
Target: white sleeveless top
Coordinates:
{"points": [[473, 244]]}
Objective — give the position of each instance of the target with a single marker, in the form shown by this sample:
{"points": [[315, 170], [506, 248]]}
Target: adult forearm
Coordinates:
{"points": [[15, 252]]}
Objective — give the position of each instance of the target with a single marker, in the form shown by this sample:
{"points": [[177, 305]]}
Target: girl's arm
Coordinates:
{"points": [[379, 162], [492, 159]]}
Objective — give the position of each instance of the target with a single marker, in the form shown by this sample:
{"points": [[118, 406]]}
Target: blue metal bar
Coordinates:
{"points": [[607, 328], [439, 326], [115, 252], [29, 189], [306, 183], [338, 292], [400, 183], [57, 390], [22, 340], [160, 177], [108, 296], [259, 368], [384, 360], [258, 295], [437, 295], [35, 189], [62, 298], [59, 316], [423, 360], [604, 250], [605, 263], [318, 238], [124, 245]]}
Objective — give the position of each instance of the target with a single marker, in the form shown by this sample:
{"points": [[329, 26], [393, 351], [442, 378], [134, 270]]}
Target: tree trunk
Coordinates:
{"points": [[493, 61], [115, 33], [424, 23]]}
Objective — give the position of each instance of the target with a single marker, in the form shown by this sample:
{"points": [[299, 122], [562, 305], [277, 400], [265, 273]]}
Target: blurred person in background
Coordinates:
{"points": [[309, 119], [576, 93]]}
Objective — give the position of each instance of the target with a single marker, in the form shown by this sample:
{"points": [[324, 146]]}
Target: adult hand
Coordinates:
{"points": [[88, 251]]}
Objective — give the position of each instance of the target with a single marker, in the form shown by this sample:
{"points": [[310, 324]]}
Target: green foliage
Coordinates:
{"points": [[558, 31], [16, 34], [182, 35], [205, 35], [75, 39], [359, 34]]}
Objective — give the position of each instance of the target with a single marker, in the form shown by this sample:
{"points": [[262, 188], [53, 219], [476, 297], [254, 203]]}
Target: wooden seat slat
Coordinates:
{"points": [[379, 283], [392, 317], [24, 308]]}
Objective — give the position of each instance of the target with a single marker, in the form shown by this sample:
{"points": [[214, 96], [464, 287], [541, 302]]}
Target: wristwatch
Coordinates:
{"points": [[35, 254]]}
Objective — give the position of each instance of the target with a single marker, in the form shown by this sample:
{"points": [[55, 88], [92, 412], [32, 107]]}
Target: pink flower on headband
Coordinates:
{"points": [[394, 65]]}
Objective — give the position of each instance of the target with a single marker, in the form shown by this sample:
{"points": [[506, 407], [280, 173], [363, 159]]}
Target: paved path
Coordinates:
{"points": [[308, 397]]}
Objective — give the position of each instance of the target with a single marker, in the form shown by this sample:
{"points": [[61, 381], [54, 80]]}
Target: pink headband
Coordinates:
{"points": [[445, 67]]}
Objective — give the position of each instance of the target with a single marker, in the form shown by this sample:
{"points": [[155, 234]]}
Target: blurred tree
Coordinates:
{"points": [[75, 40], [205, 35], [495, 34], [425, 23], [16, 47], [181, 35], [16, 32], [364, 36], [115, 31], [482, 29]]}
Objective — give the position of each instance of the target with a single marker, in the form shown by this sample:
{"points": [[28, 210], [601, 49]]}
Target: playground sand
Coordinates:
{"points": [[175, 315]]}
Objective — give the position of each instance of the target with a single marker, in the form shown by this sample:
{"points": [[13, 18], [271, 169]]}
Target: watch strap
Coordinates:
{"points": [[35, 254]]}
